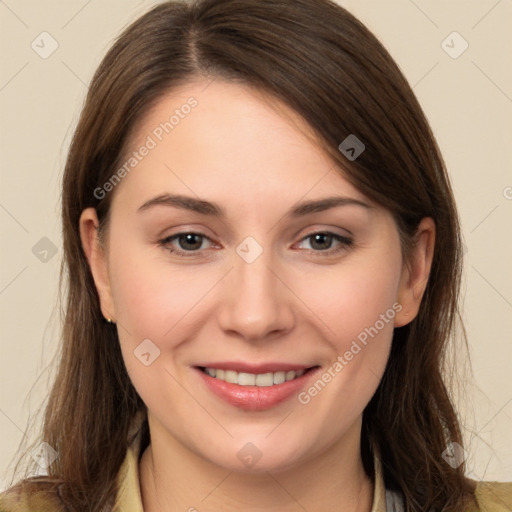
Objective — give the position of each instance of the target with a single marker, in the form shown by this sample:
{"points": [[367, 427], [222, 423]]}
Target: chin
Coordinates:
{"points": [[258, 454]]}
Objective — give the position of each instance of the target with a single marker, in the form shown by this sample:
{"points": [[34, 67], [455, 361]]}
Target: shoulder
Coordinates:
{"points": [[494, 496], [32, 495]]}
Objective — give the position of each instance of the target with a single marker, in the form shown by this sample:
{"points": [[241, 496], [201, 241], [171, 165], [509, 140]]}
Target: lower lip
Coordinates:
{"points": [[255, 398]]}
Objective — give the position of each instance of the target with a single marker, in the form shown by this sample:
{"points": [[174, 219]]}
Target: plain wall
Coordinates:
{"points": [[467, 99]]}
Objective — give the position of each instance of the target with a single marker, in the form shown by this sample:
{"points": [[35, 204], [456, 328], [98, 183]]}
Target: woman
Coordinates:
{"points": [[263, 261]]}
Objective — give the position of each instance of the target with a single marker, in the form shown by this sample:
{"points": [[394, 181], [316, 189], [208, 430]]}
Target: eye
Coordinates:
{"points": [[183, 243], [189, 244], [321, 243]]}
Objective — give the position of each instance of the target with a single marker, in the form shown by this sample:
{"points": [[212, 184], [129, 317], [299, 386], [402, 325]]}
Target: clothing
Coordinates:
{"points": [[492, 496]]}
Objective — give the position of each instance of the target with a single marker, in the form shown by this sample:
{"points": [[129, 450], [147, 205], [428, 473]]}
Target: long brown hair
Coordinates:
{"points": [[323, 63]]}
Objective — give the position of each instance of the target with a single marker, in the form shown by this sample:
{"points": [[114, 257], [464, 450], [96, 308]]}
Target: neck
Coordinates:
{"points": [[172, 478]]}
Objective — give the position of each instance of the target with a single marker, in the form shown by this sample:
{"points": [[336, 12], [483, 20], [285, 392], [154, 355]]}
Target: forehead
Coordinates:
{"points": [[227, 137], [230, 119]]}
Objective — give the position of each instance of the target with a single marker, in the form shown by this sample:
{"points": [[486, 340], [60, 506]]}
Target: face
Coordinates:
{"points": [[255, 290]]}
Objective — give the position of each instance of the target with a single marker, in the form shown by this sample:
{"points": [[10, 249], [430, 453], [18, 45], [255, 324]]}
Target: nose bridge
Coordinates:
{"points": [[256, 302]]}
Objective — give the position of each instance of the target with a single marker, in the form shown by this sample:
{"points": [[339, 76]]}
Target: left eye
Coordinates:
{"points": [[323, 241]]}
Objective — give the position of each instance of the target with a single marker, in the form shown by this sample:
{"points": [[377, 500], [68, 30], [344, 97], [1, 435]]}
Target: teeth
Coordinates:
{"points": [[265, 379], [231, 376], [250, 379], [245, 379], [279, 377]]}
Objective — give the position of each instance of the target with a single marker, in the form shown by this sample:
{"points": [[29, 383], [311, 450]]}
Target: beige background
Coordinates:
{"points": [[467, 99]]}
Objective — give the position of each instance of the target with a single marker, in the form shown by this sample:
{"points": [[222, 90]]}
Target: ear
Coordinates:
{"points": [[415, 272], [96, 257]]}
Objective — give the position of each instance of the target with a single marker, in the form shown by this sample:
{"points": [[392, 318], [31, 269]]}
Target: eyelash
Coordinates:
{"points": [[345, 243]]}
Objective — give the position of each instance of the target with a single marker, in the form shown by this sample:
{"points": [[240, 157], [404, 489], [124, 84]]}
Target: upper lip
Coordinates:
{"points": [[239, 366]]}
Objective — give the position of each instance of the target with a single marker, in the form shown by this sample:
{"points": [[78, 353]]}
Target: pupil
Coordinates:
{"points": [[187, 241], [322, 238]]}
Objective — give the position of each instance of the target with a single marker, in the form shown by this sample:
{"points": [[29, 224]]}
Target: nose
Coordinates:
{"points": [[257, 304]]}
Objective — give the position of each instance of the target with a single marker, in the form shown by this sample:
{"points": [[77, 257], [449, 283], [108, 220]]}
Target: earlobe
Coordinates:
{"points": [[416, 272], [97, 260]]}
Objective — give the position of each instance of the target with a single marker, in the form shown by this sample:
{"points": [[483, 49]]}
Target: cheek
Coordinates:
{"points": [[150, 296], [351, 297], [153, 301], [358, 306]]}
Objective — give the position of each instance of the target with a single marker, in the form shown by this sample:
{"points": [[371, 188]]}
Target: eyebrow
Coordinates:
{"points": [[209, 208]]}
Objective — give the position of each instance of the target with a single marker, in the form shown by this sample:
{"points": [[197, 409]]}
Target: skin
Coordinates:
{"points": [[294, 303]]}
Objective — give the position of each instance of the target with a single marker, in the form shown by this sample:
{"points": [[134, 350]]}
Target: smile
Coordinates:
{"points": [[251, 379], [258, 390]]}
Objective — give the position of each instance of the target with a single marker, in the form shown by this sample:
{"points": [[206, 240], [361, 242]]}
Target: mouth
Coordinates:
{"points": [[251, 379], [259, 389]]}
